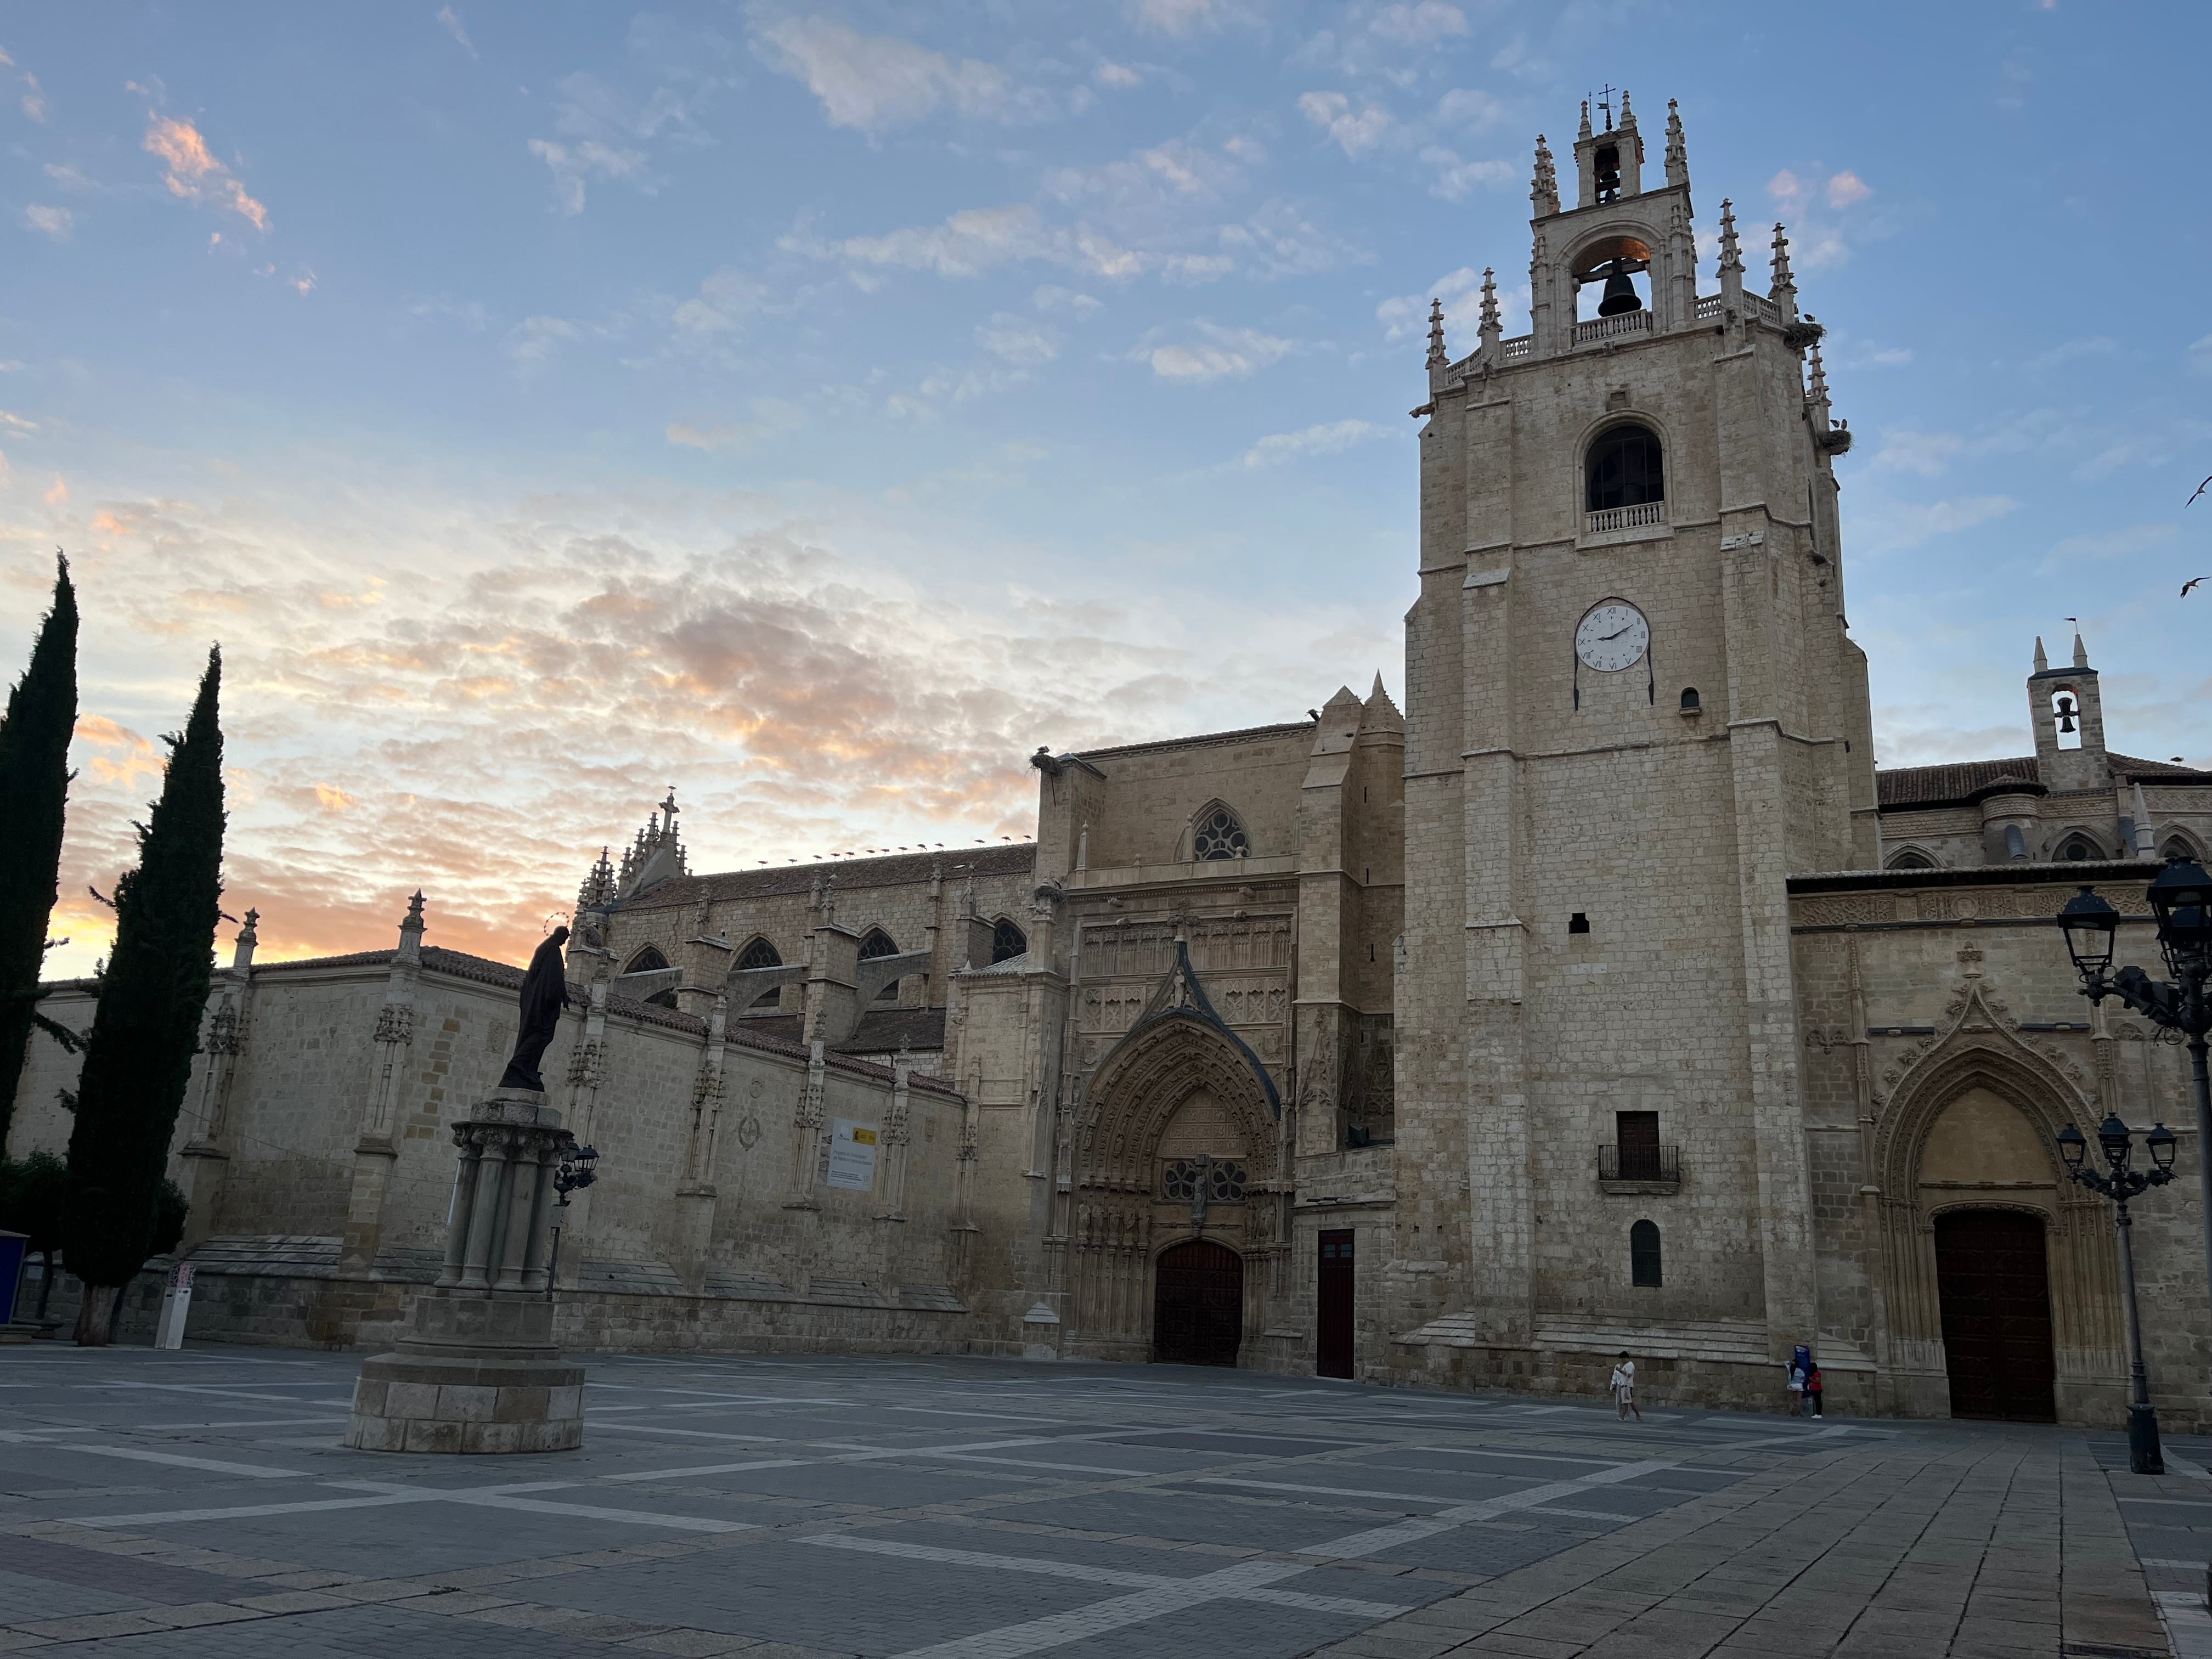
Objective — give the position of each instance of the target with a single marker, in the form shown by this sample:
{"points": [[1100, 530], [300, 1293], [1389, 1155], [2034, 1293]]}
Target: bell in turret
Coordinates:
{"points": [[1620, 294]]}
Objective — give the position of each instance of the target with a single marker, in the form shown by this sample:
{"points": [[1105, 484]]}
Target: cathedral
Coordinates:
{"points": [[1574, 1007]]}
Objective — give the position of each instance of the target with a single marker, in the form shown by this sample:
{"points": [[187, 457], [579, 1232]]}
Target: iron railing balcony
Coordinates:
{"points": [[1640, 1163]]}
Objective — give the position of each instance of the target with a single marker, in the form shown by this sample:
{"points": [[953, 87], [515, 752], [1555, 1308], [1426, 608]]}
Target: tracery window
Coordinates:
{"points": [[1626, 468], [646, 961], [1007, 940], [1912, 858], [877, 943], [1224, 1181], [2079, 847], [1218, 834], [760, 954], [2176, 848]]}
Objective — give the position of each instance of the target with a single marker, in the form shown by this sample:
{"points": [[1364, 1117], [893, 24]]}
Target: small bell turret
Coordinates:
{"points": [[1620, 294]]}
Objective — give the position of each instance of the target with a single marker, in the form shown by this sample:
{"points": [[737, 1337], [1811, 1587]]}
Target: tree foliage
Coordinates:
{"points": [[138, 1056], [33, 1192], [34, 779]]}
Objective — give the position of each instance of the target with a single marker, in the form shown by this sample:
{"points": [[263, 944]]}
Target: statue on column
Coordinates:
{"points": [[544, 996]]}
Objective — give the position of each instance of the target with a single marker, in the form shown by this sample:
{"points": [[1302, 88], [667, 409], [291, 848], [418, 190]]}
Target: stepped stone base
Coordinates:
{"points": [[475, 1373]]}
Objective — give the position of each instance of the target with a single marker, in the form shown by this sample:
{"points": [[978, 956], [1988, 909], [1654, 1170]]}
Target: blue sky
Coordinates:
{"points": [[819, 408]]}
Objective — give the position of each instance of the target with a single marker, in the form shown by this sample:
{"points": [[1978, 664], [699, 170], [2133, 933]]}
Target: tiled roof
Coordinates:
{"points": [[1956, 783], [1205, 740], [880, 1031], [891, 870], [459, 964]]}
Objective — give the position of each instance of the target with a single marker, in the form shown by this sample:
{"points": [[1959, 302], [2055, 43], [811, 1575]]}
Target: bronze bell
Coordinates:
{"points": [[1620, 296], [2066, 713]]}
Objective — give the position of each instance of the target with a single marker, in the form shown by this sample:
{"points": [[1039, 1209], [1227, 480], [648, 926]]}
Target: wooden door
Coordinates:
{"points": [[1332, 1332], [1198, 1304], [1995, 1285]]}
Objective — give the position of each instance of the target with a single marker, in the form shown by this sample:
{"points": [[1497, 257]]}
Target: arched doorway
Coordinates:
{"points": [[1993, 1283], [1198, 1304]]}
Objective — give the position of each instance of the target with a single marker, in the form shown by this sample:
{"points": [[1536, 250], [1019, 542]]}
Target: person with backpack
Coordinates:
{"points": [[1624, 1388]]}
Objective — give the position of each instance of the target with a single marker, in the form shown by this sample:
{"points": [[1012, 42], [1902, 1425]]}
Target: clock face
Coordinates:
{"points": [[1614, 635]]}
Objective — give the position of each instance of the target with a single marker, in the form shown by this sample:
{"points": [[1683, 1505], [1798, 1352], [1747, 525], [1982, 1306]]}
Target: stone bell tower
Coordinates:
{"points": [[1632, 709]]}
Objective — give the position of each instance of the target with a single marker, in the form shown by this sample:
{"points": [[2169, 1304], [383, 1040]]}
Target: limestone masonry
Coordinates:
{"points": [[1606, 997]]}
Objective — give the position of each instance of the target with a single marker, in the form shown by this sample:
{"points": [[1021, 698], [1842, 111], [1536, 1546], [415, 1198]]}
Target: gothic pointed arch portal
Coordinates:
{"points": [[1176, 1140]]}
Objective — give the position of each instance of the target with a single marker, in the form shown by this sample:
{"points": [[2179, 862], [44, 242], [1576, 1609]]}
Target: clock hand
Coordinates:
{"points": [[1603, 637]]}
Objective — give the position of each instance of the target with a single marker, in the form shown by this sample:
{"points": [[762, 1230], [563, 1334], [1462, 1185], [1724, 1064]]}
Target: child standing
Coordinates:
{"points": [[1812, 1386], [1624, 1388]]}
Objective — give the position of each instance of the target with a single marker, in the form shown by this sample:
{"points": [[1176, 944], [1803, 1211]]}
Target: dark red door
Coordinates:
{"points": [[1333, 1330], [1198, 1304], [1994, 1286]]}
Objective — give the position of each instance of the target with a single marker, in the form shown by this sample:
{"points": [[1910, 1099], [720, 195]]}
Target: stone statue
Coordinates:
{"points": [[544, 995]]}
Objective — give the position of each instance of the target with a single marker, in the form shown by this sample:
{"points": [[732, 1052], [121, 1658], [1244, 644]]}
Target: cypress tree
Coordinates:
{"points": [[138, 1056], [34, 779]]}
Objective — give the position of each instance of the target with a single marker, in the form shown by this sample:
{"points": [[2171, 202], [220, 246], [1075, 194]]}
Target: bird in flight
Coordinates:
{"points": [[2191, 583]]}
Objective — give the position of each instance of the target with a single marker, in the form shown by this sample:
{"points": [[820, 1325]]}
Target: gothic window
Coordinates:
{"points": [[1007, 940], [1626, 468], [2076, 848], [1218, 834], [1225, 1182], [1912, 858], [2176, 848], [646, 961], [1643, 1254], [760, 954], [878, 943]]}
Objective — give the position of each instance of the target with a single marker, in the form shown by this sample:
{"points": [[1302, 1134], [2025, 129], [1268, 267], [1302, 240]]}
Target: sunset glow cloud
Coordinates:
{"points": [[195, 175]]}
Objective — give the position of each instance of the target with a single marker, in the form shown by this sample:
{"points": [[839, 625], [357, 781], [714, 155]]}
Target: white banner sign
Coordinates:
{"points": [[853, 1155]]}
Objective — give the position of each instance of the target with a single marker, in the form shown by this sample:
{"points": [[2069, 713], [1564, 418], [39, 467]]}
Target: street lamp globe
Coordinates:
{"points": [[2159, 1143], [2118, 1140], [2181, 900], [2089, 923], [2073, 1147]]}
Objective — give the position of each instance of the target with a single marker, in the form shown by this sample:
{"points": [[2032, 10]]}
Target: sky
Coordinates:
{"points": [[817, 408]]}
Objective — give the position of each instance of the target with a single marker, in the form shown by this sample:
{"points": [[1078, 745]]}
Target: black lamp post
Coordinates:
{"points": [[580, 1167], [2117, 1141]]}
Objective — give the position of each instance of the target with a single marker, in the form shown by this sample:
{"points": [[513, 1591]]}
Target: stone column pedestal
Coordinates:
{"points": [[477, 1371]]}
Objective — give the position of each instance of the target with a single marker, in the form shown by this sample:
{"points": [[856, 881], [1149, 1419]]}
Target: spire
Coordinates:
{"points": [[1584, 130], [1817, 390], [1678, 152], [242, 956], [1494, 326], [1544, 194], [410, 930], [1437, 356], [2042, 659], [2080, 650], [1731, 250], [598, 889], [1627, 115], [1784, 292]]}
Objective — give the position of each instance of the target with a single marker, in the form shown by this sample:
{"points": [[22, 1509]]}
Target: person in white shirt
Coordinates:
{"points": [[1624, 1388]]}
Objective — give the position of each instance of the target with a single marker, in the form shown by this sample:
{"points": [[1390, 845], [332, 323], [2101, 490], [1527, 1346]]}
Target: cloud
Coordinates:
{"points": [[2199, 355], [33, 101], [1890, 526], [2066, 351], [873, 82], [1355, 132], [1186, 17], [452, 20], [194, 173], [331, 798], [967, 243], [771, 415], [532, 339], [1017, 340], [1409, 313], [58, 222], [1052, 298], [2110, 544], [725, 299], [1421, 24], [1928, 453], [1216, 354], [1455, 178], [1120, 77], [572, 164], [1326, 440], [1847, 188], [1466, 107]]}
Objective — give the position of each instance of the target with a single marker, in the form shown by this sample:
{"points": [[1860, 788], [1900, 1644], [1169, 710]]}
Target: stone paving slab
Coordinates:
{"points": [[795, 1508]]}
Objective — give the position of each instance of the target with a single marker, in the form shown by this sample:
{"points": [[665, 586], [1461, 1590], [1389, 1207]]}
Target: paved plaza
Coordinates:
{"points": [[198, 1503]]}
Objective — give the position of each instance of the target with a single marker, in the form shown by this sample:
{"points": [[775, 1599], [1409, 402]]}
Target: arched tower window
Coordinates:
{"points": [[760, 954], [1007, 940], [2077, 847], [646, 961], [877, 943], [1626, 468], [1643, 1254], [1219, 833], [2176, 848], [1912, 858], [2066, 716]]}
